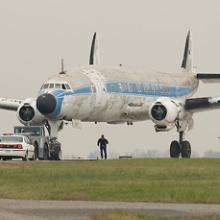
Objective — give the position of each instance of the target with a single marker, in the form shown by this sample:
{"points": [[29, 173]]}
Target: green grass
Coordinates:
{"points": [[149, 180]]}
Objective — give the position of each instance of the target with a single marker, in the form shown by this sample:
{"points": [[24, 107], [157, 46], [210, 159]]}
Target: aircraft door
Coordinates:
{"points": [[98, 87]]}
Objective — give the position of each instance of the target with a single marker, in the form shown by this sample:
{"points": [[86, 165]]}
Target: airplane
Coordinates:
{"points": [[115, 95]]}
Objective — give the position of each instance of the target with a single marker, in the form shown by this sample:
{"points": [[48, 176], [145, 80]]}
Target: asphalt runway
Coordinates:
{"points": [[83, 210]]}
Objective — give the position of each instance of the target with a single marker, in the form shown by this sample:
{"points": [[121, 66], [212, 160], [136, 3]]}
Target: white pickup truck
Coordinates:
{"points": [[45, 147]]}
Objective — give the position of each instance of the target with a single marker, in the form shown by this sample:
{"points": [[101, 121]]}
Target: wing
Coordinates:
{"points": [[208, 77], [202, 104], [10, 104]]}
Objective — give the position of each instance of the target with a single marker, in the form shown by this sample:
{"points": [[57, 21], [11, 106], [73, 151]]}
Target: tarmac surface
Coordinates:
{"points": [[83, 210]]}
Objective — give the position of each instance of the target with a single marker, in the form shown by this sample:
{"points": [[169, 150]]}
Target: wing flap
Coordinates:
{"points": [[10, 104]]}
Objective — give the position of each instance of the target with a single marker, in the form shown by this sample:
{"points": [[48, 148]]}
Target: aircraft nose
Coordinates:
{"points": [[46, 103]]}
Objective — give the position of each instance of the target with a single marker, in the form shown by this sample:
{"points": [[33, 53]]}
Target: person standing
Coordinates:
{"points": [[102, 142]]}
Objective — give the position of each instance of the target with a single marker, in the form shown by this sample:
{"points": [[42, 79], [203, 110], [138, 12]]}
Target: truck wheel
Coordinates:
{"points": [[35, 151], [25, 158], [46, 152], [59, 155]]}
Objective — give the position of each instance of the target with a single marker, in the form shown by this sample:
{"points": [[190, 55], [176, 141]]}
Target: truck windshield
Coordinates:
{"points": [[34, 131], [11, 139]]}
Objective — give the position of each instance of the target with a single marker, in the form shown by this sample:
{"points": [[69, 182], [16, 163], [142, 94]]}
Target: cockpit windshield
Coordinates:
{"points": [[63, 86]]}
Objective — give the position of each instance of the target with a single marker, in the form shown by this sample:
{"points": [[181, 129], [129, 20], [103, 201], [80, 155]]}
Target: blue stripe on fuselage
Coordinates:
{"points": [[125, 88], [148, 89], [60, 94]]}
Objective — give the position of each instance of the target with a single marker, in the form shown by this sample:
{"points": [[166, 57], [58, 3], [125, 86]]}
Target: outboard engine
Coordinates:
{"points": [[28, 114]]}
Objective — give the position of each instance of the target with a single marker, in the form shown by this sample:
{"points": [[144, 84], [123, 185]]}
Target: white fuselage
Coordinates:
{"points": [[114, 95]]}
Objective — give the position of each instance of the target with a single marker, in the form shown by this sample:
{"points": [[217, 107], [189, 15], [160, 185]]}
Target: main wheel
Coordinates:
{"points": [[175, 149], [185, 149]]}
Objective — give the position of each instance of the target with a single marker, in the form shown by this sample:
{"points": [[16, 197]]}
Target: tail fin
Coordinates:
{"points": [[94, 51], [187, 62]]}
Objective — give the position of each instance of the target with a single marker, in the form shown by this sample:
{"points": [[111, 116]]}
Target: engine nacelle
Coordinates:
{"points": [[28, 114], [165, 111]]}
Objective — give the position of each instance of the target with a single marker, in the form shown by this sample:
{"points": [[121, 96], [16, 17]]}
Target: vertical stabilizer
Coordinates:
{"points": [[187, 62], [94, 58]]}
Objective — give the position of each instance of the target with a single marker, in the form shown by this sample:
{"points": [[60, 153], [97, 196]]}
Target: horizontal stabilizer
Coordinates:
{"points": [[209, 77]]}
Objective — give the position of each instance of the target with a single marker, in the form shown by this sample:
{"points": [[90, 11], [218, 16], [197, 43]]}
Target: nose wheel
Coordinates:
{"points": [[180, 147]]}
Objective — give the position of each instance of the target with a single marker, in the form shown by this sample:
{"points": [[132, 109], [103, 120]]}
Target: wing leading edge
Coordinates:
{"points": [[209, 77], [202, 104], [10, 104]]}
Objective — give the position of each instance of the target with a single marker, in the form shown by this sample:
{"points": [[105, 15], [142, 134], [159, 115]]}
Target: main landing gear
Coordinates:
{"points": [[181, 147]]}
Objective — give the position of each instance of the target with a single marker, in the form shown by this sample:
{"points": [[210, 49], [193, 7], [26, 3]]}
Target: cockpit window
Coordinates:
{"points": [[63, 87], [51, 86], [45, 86], [67, 86], [57, 86]]}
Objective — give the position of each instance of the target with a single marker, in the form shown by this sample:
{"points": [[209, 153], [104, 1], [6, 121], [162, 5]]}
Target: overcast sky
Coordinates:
{"points": [[35, 35]]}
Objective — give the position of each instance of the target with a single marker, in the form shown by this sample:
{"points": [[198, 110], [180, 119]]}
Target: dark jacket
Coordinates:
{"points": [[102, 142]]}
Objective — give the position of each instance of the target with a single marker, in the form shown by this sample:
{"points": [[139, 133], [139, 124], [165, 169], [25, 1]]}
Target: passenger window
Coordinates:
{"points": [[51, 86], [63, 86]]}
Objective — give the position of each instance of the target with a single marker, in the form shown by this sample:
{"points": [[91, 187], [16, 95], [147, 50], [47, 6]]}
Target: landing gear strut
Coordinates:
{"points": [[181, 147]]}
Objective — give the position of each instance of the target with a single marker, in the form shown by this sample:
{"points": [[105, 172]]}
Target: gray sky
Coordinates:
{"points": [[35, 35]]}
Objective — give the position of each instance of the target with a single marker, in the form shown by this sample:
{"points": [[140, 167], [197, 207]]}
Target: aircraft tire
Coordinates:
{"points": [[185, 149], [175, 149], [25, 158], [56, 155]]}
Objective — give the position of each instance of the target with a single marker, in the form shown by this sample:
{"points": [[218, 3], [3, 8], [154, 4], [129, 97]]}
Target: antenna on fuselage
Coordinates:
{"points": [[62, 67]]}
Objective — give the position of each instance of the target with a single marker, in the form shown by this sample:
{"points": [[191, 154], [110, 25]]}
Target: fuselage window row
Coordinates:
{"points": [[56, 86], [140, 88]]}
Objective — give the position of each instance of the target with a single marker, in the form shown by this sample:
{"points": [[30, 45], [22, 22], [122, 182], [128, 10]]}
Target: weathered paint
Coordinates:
{"points": [[91, 100]]}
